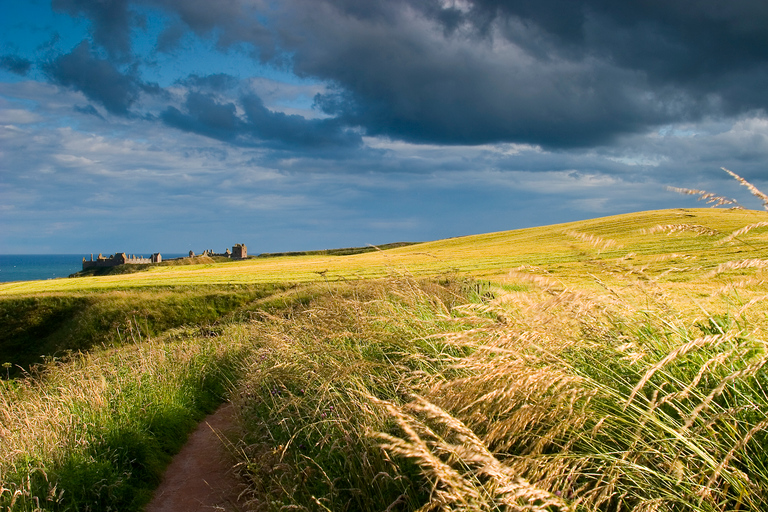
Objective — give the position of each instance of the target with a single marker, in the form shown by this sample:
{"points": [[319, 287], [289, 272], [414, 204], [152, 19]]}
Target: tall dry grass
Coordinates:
{"points": [[305, 403], [605, 401], [385, 396], [635, 395], [616, 411]]}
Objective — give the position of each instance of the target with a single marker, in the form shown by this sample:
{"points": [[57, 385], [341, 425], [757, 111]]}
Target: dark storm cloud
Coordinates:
{"points": [[294, 129], [111, 20], [98, 79], [170, 38], [89, 110], [698, 38], [227, 22], [559, 73], [217, 119], [693, 45], [205, 116], [15, 64]]}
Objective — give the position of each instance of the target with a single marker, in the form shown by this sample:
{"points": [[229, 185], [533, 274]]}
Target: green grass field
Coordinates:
{"points": [[483, 256], [609, 364]]}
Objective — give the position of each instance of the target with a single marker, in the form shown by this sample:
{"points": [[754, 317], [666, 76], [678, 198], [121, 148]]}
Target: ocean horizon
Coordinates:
{"points": [[40, 267]]}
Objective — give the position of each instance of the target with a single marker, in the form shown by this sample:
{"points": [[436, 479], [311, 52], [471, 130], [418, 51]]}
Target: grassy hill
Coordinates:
{"points": [[611, 364], [490, 256]]}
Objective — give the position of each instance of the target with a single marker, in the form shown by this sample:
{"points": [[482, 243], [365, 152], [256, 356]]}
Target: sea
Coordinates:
{"points": [[34, 267]]}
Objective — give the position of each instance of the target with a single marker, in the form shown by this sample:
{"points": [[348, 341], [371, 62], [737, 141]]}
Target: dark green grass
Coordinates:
{"points": [[42, 326]]}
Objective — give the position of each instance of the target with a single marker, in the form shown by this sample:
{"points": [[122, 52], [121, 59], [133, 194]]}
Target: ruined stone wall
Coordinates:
{"points": [[239, 251], [119, 258]]}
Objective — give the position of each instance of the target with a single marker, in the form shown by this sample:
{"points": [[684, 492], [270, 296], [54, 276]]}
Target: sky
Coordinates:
{"points": [[176, 125]]}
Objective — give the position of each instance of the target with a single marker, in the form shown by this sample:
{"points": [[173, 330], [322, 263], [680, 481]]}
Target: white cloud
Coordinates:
{"points": [[73, 161], [267, 202], [12, 116]]}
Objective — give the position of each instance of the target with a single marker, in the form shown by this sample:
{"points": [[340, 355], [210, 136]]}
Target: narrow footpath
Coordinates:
{"points": [[199, 478]]}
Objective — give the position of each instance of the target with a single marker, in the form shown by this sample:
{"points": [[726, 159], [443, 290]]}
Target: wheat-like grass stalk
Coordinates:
{"points": [[598, 242], [680, 351], [759, 300], [672, 256], [738, 265], [742, 231], [748, 371], [710, 198], [741, 284], [681, 228], [754, 190], [761, 426], [467, 473]]}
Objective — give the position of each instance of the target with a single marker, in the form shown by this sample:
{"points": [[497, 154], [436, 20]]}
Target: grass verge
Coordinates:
{"points": [[96, 432]]}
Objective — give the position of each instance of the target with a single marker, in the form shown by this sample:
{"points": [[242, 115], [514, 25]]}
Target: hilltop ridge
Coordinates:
{"points": [[482, 255]]}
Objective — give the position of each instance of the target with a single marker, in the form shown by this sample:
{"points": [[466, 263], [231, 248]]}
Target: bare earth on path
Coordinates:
{"points": [[199, 478]]}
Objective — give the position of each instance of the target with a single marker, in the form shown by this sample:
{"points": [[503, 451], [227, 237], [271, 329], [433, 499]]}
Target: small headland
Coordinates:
{"points": [[132, 268], [122, 263]]}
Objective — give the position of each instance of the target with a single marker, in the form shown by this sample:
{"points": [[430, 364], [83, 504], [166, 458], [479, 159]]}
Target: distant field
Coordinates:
{"points": [[555, 248]]}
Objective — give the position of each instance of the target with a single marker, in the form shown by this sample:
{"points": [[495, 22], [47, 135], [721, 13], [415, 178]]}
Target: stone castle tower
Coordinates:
{"points": [[239, 251]]}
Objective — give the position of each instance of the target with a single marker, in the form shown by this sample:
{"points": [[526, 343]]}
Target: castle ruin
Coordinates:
{"points": [[238, 252], [120, 258]]}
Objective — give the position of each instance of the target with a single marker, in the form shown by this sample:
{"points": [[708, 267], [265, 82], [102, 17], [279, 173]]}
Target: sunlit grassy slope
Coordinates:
{"points": [[553, 248], [611, 364]]}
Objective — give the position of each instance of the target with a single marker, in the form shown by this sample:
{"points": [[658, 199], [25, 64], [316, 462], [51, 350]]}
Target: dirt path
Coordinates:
{"points": [[199, 479]]}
